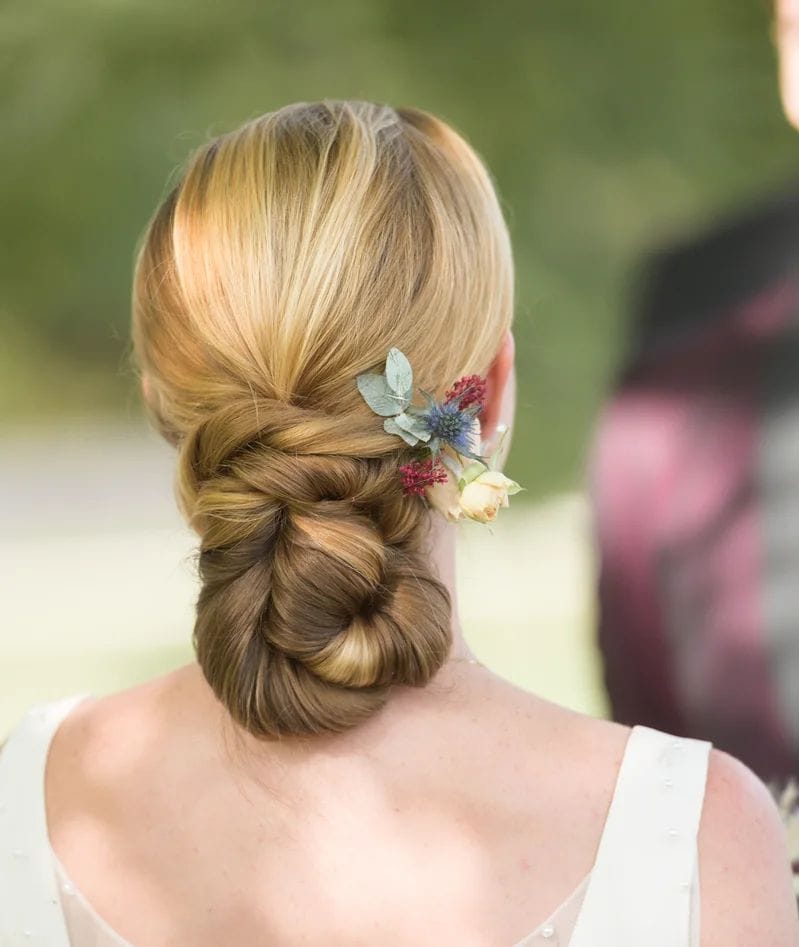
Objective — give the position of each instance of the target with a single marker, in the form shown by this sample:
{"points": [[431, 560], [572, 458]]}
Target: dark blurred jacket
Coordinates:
{"points": [[695, 481]]}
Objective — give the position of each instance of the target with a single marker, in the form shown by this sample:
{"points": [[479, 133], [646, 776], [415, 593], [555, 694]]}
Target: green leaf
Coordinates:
{"points": [[381, 399], [514, 488], [390, 426], [399, 374], [413, 425], [472, 471]]}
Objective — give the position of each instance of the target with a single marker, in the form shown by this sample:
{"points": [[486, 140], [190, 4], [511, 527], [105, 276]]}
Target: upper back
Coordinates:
{"points": [[453, 827], [464, 809]]}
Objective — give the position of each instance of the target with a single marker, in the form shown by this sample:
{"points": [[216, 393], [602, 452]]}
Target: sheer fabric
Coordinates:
{"points": [[87, 929], [643, 888]]}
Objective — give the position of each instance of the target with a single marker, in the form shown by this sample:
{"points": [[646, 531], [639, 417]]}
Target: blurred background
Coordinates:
{"points": [[609, 129]]}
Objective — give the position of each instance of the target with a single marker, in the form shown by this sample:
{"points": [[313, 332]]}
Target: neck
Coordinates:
{"points": [[408, 710], [443, 556]]}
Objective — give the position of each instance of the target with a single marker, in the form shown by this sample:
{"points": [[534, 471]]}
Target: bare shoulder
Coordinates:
{"points": [[586, 741], [100, 731], [746, 890], [577, 755], [106, 745]]}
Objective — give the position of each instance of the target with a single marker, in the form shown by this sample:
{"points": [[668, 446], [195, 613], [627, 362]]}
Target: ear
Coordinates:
{"points": [[498, 379]]}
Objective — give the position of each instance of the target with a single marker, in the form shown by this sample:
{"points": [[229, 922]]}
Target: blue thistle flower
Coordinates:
{"points": [[451, 423]]}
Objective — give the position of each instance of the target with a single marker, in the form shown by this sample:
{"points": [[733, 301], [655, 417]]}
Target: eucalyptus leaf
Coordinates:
{"points": [[413, 425], [390, 426], [399, 374], [513, 488], [379, 396]]}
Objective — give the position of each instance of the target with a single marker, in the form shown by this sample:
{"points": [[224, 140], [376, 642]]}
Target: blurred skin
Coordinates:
{"points": [[500, 408], [786, 34]]}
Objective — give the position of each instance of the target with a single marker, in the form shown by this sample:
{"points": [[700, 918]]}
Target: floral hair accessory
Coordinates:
{"points": [[456, 480]]}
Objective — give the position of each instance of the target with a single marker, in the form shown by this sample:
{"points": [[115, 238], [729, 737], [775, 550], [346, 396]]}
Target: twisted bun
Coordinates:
{"points": [[317, 591], [293, 253]]}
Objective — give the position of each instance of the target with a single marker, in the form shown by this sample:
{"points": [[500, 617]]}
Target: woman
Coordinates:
{"points": [[337, 767]]}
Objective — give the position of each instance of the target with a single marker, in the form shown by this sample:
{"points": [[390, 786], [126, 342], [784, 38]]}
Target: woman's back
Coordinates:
{"points": [[453, 820], [466, 813]]}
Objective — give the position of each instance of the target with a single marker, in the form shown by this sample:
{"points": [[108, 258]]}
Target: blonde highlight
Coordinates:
{"points": [[293, 253]]}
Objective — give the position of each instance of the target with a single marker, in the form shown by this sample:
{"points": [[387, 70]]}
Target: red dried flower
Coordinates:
{"points": [[469, 390], [418, 475]]}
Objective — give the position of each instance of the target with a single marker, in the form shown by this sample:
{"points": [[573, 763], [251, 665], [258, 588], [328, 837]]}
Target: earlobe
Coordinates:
{"points": [[497, 378]]}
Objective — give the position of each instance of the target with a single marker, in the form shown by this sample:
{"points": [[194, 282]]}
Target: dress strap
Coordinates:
{"points": [[30, 907], [644, 884]]}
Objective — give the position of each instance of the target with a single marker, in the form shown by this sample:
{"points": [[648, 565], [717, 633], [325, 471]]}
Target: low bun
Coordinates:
{"points": [[317, 594], [288, 258]]}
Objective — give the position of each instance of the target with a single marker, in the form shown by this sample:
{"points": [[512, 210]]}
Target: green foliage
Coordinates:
{"points": [[380, 396], [393, 426], [414, 425], [399, 374], [607, 127]]}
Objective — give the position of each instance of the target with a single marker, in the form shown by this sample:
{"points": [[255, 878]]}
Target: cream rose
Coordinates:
{"points": [[445, 497], [482, 497]]}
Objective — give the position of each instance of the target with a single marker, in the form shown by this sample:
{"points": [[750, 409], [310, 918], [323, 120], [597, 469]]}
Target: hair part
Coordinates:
{"points": [[293, 253]]}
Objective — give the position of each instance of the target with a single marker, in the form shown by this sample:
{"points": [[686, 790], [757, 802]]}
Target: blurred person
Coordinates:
{"points": [[336, 766], [696, 483]]}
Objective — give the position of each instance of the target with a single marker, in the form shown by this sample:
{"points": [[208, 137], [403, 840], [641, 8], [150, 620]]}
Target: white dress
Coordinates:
{"points": [[643, 890]]}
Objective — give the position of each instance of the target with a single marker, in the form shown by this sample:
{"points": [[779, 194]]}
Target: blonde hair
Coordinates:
{"points": [[295, 251]]}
